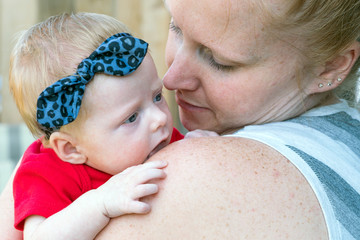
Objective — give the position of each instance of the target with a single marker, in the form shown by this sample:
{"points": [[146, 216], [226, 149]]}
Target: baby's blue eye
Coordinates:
{"points": [[132, 118], [158, 97]]}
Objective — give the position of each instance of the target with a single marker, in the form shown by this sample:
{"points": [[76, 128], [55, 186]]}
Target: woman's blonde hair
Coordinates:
{"points": [[326, 28], [51, 50]]}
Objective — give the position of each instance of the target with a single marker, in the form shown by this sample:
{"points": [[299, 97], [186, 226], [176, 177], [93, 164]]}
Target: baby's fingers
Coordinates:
{"points": [[155, 164], [145, 190], [138, 207], [144, 167], [150, 174]]}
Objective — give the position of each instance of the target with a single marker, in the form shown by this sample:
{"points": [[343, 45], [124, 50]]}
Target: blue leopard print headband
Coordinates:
{"points": [[59, 104]]}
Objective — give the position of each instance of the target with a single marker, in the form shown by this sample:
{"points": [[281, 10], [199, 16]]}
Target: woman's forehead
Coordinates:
{"points": [[232, 25]]}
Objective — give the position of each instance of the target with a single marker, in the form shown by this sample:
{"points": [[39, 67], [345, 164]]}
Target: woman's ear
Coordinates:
{"points": [[335, 71], [65, 146]]}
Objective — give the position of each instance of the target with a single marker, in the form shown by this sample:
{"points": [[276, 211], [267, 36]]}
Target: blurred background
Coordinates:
{"points": [[148, 19]]}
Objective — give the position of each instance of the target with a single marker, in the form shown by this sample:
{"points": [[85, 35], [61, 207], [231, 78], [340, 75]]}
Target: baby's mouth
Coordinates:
{"points": [[160, 146]]}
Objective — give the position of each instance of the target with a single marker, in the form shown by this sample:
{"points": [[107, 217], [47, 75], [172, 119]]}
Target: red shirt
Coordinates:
{"points": [[44, 184]]}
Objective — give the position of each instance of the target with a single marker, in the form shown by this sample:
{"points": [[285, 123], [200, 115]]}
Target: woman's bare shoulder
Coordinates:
{"points": [[225, 188]]}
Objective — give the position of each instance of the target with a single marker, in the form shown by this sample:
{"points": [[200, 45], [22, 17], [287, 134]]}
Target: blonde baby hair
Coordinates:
{"points": [[51, 50]]}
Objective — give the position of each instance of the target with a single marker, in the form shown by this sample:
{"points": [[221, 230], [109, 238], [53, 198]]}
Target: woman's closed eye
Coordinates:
{"points": [[175, 29], [204, 51], [208, 56], [218, 66]]}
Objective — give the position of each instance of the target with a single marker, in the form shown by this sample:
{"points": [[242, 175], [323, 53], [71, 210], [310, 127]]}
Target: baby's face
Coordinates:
{"points": [[127, 119]]}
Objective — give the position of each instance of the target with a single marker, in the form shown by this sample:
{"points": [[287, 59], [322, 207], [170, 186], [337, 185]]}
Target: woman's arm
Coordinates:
{"points": [[7, 229], [226, 188]]}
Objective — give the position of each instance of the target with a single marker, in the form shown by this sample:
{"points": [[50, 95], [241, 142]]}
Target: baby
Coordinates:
{"points": [[90, 91]]}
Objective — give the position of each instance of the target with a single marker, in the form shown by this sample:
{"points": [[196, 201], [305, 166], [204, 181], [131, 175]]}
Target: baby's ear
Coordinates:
{"points": [[65, 146]]}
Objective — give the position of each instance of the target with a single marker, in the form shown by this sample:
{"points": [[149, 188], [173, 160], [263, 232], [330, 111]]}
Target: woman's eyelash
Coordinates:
{"points": [[174, 28], [207, 55], [218, 66]]}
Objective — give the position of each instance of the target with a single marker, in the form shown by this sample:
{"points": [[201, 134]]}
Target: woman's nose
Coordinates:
{"points": [[158, 119], [183, 71]]}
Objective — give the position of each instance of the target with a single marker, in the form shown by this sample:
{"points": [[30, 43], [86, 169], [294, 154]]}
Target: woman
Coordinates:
{"points": [[262, 72], [258, 64]]}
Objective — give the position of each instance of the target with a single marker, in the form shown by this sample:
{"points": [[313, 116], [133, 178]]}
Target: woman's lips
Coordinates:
{"points": [[187, 106]]}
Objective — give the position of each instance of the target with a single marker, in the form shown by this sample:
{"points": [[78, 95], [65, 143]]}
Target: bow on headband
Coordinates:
{"points": [[59, 104]]}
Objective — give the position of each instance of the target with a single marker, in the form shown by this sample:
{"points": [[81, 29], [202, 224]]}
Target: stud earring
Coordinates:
{"points": [[329, 84], [339, 79], [320, 85]]}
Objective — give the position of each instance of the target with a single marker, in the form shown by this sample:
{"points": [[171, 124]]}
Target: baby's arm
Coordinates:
{"points": [[91, 212], [7, 229], [201, 133]]}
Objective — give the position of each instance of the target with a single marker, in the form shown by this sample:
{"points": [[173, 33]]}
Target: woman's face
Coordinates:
{"points": [[227, 70]]}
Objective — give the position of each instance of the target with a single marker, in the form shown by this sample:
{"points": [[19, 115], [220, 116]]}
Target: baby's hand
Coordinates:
{"points": [[201, 133], [120, 194]]}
